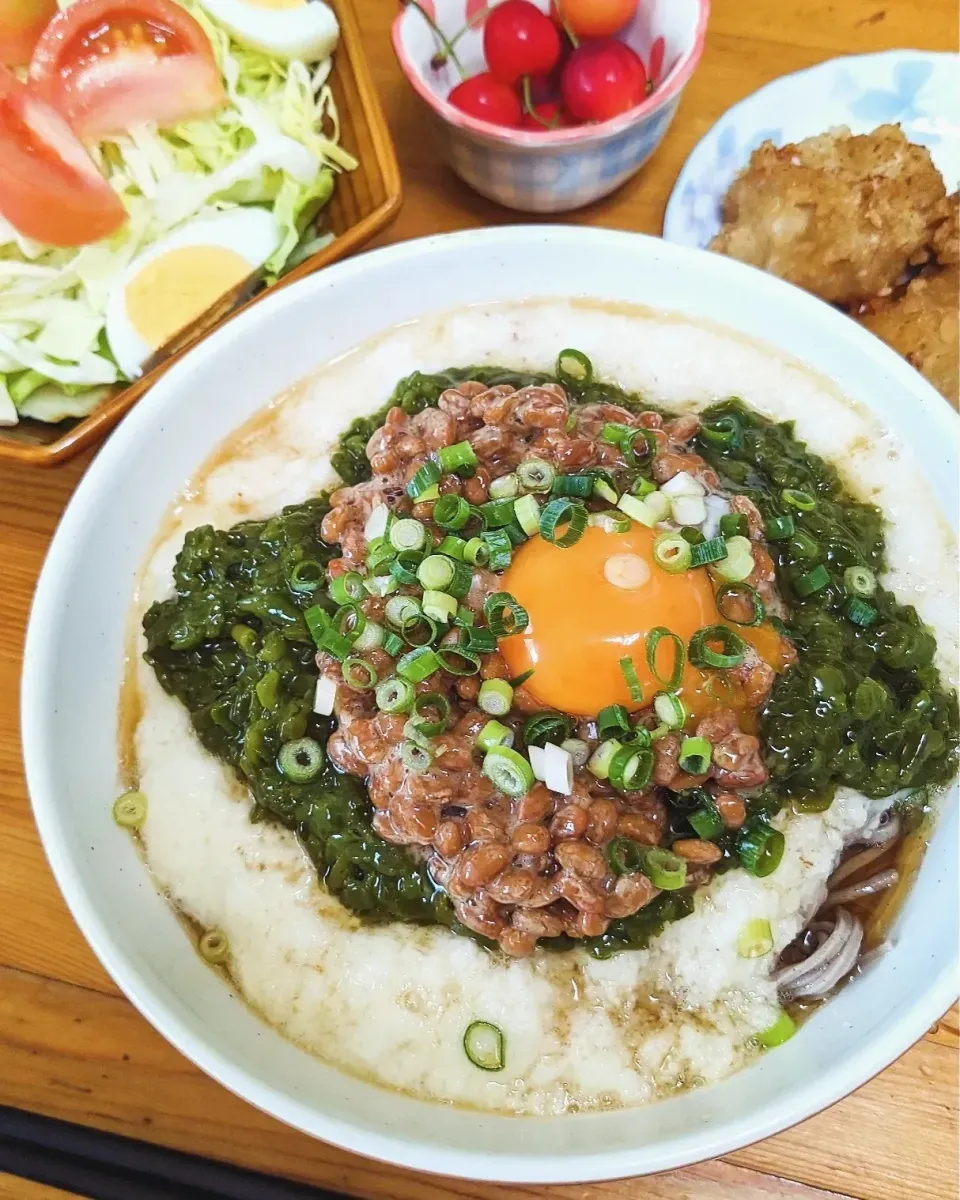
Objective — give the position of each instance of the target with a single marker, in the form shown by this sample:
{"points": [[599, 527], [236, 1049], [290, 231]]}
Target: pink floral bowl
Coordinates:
{"points": [[556, 170]]}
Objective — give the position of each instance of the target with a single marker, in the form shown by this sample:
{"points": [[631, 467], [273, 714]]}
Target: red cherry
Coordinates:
{"points": [[602, 80], [487, 99], [552, 116], [518, 40]]}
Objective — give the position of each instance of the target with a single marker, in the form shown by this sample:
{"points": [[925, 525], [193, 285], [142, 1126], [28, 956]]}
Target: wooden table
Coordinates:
{"points": [[71, 1046]]}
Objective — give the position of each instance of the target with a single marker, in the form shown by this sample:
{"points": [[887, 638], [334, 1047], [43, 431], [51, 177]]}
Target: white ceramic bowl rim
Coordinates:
{"points": [[672, 85], [129, 451]]}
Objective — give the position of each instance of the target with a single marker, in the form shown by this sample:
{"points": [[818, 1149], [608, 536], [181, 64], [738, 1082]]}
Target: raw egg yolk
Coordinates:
{"points": [[179, 286], [594, 603]]}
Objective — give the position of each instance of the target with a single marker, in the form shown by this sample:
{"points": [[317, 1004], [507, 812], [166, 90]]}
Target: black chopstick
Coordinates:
{"points": [[104, 1166]]}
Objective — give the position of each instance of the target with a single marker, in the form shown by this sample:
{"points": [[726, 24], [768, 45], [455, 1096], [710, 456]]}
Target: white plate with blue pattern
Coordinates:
{"points": [[917, 90]]}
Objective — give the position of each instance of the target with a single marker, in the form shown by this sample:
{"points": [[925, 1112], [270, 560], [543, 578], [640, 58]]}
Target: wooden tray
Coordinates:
{"points": [[364, 201]]}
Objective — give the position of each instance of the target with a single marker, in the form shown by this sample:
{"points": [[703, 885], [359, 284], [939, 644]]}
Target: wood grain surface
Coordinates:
{"points": [[72, 1047]]}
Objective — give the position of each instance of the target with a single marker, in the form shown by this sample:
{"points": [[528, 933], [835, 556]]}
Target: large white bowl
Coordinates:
{"points": [[73, 668]]}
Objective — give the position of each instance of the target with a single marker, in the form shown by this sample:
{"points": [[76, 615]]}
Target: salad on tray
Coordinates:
{"points": [[154, 155]]}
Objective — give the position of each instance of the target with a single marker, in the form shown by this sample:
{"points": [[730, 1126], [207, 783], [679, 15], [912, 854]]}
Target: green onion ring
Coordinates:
{"points": [[307, 575], [395, 695], [536, 475], [860, 581], [744, 592], [424, 477], [799, 499], [732, 655], [654, 638], [347, 588], [624, 856], [300, 760], [546, 727], [451, 512], [423, 705], [614, 719], [505, 615], [695, 755], [508, 771], [632, 679], [760, 848], [358, 674], [574, 369], [416, 757], [563, 512], [814, 581], [404, 566], [350, 621], [722, 431], [476, 552], [664, 869], [631, 768], [458, 660]]}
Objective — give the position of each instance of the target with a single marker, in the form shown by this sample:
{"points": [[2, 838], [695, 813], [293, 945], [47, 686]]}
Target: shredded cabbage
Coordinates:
{"points": [[275, 143]]}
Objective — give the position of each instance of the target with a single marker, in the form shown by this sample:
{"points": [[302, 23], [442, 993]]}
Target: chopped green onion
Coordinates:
{"points": [[573, 485], [734, 525], [536, 475], [514, 533], [631, 768], [358, 674], [423, 706], [639, 448], [350, 621], [860, 581], [755, 939], [418, 664], [424, 478], [527, 512], [458, 660], [505, 616], [439, 605], [706, 822], [130, 810], [496, 513], [483, 1044], [546, 727], [609, 521], [435, 572], [578, 750], [615, 433], [799, 499], [602, 757], [711, 551], [451, 512], [392, 644], [778, 528], [379, 553], [664, 869], [214, 947], [658, 505], [612, 719], [860, 612], [499, 549], [422, 633], [466, 618], [669, 709], [722, 431], [395, 695], [604, 490], [695, 755], [307, 576], [324, 635], [404, 566], [636, 735], [632, 679], [495, 697], [782, 1030], [760, 848], [408, 534], [494, 734], [476, 552], [560, 512], [692, 535], [654, 638], [430, 495], [508, 771], [672, 553], [507, 487], [452, 547], [574, 368], [481, 641], [642, 487], [462, 580], [371, 637], [637, 510], [380, 585], [731, 654], [803, 545], [738, 594], [402, 612], [624, 856], [521, 679], [415, 756], [301, 760], [814, 581], [739, 563], [456, 457]]}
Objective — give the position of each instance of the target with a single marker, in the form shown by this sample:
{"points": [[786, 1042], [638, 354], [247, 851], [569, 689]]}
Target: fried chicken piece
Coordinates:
{"points": [[838, 215], [924, 326], [946, 236]]}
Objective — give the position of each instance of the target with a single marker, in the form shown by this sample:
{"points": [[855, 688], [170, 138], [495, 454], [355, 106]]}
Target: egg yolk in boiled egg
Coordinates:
{"points": [[594, 603], [175, 289]]}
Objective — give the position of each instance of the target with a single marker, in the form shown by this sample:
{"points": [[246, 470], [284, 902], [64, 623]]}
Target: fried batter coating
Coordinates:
{"points": [[924, 326], [838, 215], [946, 236]]}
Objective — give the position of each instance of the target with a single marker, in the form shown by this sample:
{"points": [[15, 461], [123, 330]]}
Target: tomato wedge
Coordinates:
{"points": [[50, 188], [21, 23], [108, 65]]}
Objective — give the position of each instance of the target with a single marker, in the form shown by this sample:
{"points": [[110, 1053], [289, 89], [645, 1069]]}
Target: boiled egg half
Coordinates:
{"points": [[177, 279], [303, 29]]}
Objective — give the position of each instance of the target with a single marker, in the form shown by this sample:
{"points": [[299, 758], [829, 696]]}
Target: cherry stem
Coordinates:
{"points": [[528, 107], [567, 27], [476, 19], [447, 51]]}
